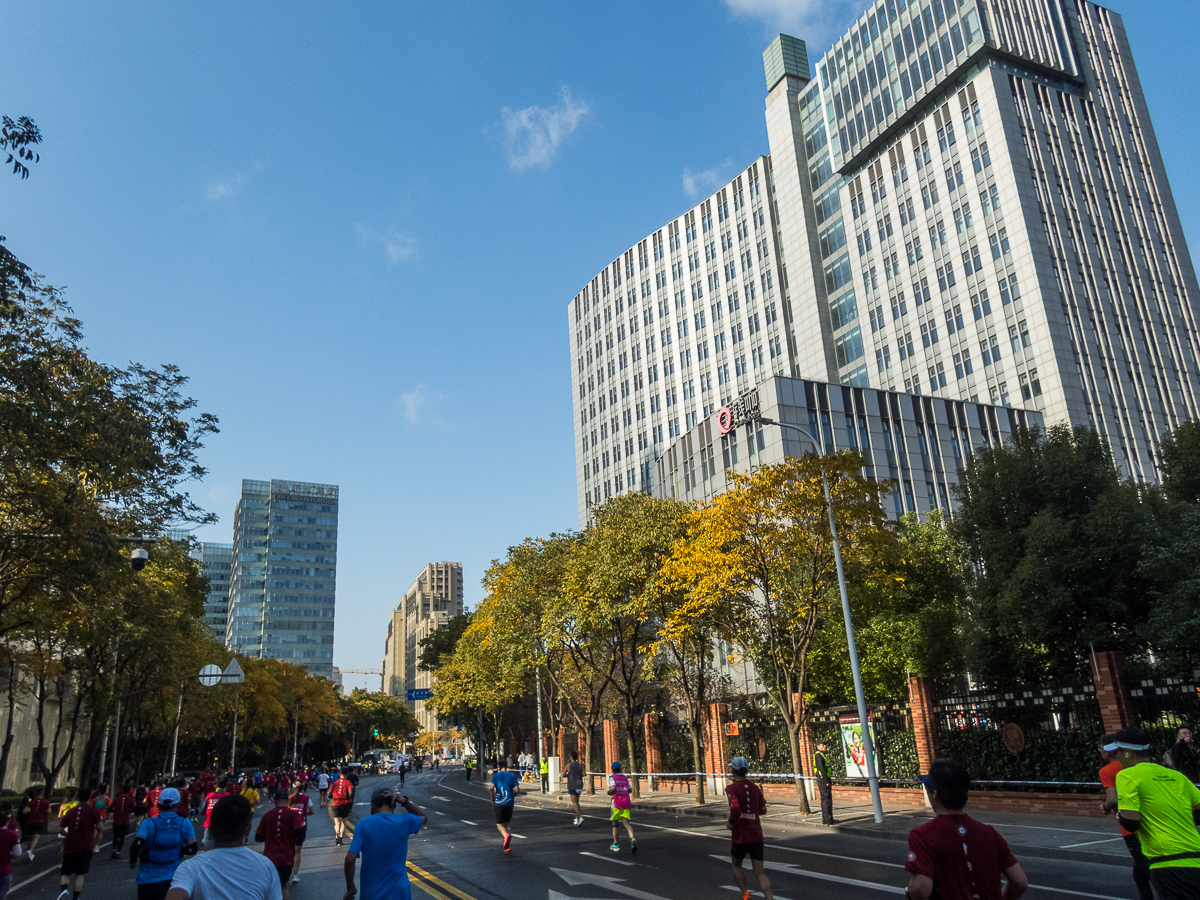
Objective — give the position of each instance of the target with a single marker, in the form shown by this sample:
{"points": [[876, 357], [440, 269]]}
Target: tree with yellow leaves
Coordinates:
{"points": [[759, 561]]}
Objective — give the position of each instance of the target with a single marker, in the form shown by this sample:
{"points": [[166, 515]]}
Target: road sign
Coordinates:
{"points": [[233, 673], [420, 694], [210, 675]]}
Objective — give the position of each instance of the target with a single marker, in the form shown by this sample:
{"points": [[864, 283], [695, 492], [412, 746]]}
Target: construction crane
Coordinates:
{"points": [[378, 672]]}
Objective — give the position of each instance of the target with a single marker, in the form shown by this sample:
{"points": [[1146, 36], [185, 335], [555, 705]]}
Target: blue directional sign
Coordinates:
{"points": [[420, 694]]}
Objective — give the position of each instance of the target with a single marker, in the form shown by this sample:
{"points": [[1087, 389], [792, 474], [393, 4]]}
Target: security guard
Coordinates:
{"points": [[824, 785], [544, 768]]}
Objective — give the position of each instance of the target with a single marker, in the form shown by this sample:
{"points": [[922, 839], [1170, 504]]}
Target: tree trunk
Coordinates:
{"points": [[587, 764], [633, 782], [6, 749], [794, 741], [697, 760]]}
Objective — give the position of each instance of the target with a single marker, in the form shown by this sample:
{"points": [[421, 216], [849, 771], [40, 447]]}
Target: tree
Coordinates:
{"points": [[440, 644], [1179, 460], [759, 556], [18, 139], [1053, 539]]}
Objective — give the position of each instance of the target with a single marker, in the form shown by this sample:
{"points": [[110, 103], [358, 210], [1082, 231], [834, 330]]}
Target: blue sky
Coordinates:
{"points": [[357, 226]]}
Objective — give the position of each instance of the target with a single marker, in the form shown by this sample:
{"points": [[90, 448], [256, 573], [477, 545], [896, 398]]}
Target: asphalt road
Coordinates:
{"points": [[458, 857]]}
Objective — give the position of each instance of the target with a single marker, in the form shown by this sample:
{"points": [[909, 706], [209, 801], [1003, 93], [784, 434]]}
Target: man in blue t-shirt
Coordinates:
{"points": [[170, 837], [504, 789], [383, 837]]}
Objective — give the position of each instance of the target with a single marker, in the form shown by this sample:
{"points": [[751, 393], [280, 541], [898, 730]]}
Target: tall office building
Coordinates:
{"points": [[216, 561], [281, 590], [963, 199], [435, 597]]}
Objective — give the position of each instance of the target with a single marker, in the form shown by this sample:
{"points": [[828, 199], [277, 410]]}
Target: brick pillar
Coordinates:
{"points": [[716, 743], [924, 718], [1116, 710], [560, 747], [653, 746], [612, 748]]}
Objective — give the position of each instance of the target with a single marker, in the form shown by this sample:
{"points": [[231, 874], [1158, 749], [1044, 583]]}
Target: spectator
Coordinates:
{"points": [[1185, 759], [954, 857], [383, 837], [231, 870], [1162, 808]]}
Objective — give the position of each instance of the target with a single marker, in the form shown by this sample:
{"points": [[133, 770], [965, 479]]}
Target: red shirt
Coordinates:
{"points": [[196, 791], [38, 807], [122, 806], [746, 805], [8, 840], [80, 824], [1108, 779], [210, 802], [269, 780], [278, 828], [342, 791], [234, 788], [152, 802], [964, 858], [303, 806]]}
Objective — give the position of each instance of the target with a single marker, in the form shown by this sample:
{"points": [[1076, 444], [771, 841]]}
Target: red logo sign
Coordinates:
{"points": [[725, 420]]}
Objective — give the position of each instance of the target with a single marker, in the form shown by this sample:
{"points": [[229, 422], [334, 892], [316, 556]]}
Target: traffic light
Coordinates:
{"points": [[376, 730]]}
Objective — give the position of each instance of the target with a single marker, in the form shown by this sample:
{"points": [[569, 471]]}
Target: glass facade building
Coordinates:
{"points": [[216, 564], [283, 573]]}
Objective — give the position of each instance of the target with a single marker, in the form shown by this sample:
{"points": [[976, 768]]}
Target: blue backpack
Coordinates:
{"points": [[165, 845]]}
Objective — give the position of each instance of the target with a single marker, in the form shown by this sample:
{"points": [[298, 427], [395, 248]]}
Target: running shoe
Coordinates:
{"points": [[632, 845], [64, 895], [614, 847], [29, 853], [579, 821], [295, 879], [116, 854], [507, 843], [745, 895]]}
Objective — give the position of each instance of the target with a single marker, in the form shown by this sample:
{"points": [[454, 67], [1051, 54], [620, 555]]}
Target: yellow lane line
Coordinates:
{"points": [[448, 887]]}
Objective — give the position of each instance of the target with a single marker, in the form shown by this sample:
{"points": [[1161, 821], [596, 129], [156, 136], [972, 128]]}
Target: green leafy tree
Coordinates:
{"points": [[1179, 461], [18, 139], [439, 646]]}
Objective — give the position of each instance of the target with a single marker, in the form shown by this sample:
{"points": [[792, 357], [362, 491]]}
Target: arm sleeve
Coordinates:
{"points": [[919, 860]]}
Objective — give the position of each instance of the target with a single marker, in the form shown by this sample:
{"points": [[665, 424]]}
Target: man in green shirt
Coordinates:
{"points": [[1162, 808]]}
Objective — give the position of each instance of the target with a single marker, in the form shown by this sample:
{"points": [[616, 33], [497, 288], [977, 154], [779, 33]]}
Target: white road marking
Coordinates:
{"points": [[611, 859], [468, 822], [1087, 843], [436, 813], [443, 799], [33, 878], [616, 885], [793, 869]]}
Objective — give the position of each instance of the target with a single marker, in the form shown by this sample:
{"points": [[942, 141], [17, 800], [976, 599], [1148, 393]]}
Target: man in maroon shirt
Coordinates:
{"points": [[279, 830], [36, 811], [747, 806], [83, 826], [954, 857], [122, 809]]}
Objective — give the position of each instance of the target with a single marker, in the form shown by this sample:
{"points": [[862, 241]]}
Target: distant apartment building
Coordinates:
{"points": [[216, 564], [961, 201], [435, 597], [283, 574]]}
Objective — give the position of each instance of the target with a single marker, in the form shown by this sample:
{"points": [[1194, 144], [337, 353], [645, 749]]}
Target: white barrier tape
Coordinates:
{"points": [[794, 777]]}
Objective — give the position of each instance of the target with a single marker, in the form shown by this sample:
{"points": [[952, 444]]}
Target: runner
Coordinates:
{"points": [[303, 806], [161, 842], [251, 794], [467, 766], [342, 797], [575, 786], [231, 870], [1108, 780], [954, 857], [503, 789], [152, 799], [36, 809], [1161, 806], [384, 837], [101, 801], [209, 802], [139, 803], [122, 809], [196, 794], [10, 843], [323, 787], [618, 789], [746, 807], [279, 829], [82, 827]]}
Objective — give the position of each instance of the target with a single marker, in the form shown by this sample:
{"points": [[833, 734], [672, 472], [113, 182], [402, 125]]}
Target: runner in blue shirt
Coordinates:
{"points": [[383, 837], [168, 838], [504, 789]]}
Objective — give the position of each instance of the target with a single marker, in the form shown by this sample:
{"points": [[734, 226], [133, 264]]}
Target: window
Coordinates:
{"points": [[985, 154], [980, 305], [1009, 290], [899, 307], [905, 346], [976, 162], [921, 291], [962, 363], [954, 320], [883, 358], [1004, 245]]}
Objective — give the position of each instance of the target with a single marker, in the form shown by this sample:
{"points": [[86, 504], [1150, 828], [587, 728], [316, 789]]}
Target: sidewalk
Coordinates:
{"points": [[1033, 835]]}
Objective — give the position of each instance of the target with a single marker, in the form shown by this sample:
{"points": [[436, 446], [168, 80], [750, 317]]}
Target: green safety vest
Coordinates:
{"points": [[544, 767], [820, 761]]}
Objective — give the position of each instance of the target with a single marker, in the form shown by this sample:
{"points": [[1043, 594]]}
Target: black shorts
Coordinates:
{"points": [[155, 891], [740, 851], [285, 875], [299, 836], [76, 863], [341, 810], [504, 814]]}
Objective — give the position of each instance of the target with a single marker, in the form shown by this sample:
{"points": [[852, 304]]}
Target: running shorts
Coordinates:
{"points": [[300, 835], [740, 851], [504, 814], [76, 863], [617, 814], [285, 875], [341, 810], [576, 791]]}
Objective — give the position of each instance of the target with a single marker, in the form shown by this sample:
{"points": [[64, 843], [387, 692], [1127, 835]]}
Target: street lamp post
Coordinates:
{"points": [[868, 741]]}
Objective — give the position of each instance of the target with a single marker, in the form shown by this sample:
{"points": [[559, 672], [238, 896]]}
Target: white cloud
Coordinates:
{"points": [[694, 183], [532, 135], [220, 188], [397, 246], [814, 21], [416, 403]]}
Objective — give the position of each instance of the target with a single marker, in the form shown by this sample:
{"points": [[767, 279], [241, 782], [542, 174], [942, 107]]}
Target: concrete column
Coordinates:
{"points": [[654, 761], [716, 745], [1116, 709], [924, 718]]}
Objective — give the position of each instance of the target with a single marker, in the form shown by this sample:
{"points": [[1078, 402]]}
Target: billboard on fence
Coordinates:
{"points": [[855, 751]]}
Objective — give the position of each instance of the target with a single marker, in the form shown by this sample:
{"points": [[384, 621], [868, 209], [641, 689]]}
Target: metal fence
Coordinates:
{"points": [[1047, 709]]}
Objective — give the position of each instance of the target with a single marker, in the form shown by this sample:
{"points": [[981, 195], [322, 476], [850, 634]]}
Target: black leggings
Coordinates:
{"points": [[119, 834]]}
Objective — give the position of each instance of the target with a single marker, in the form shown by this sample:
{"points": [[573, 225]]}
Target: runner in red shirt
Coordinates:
{"points": [[954, 857], [83, 827], [278, 830], [10, 840], [746, 808], [152, 800], [122, 809], [303, 806], [195, 796], [35, 811], [341, 796], [209, 802]]}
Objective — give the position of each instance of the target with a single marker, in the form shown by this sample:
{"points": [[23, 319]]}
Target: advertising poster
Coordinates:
{"points": [[855, 751]]}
